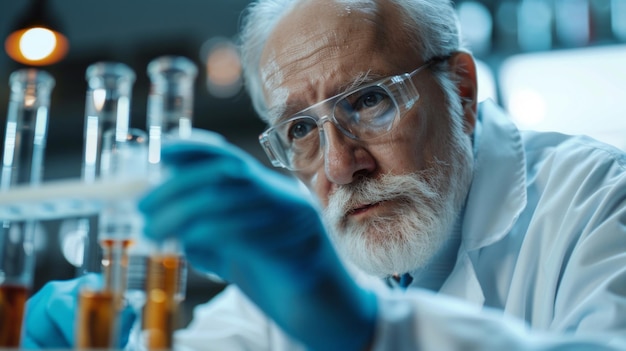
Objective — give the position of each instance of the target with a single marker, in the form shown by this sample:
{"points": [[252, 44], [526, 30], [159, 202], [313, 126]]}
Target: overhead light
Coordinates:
{"points": [[36, 39]]}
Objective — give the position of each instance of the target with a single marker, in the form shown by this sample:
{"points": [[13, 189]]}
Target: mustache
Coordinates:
{"points": [[406, 188]]}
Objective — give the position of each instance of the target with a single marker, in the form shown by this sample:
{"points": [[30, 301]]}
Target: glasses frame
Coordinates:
{"points": [[400, 88]]}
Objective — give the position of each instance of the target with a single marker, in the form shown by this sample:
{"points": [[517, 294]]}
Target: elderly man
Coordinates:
{"points": [[485, 237]]}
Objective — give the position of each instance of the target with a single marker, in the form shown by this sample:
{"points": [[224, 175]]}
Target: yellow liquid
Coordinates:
{"points": [[12, 301], [98, 310], [96, 319], [161, 308]]}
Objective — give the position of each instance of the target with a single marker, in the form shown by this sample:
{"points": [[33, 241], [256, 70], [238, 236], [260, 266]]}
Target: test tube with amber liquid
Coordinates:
{"points": [[22, 164], [107, 116], [170, 107], [123, 156], [12, 301], [97, 324], [163, 298]]}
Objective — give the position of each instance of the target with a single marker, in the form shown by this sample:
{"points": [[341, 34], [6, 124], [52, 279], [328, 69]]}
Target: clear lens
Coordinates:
{"points": [[366, 113], [296, 142]]}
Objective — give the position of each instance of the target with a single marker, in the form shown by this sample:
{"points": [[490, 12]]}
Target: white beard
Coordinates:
{"points": [[426, 203]]}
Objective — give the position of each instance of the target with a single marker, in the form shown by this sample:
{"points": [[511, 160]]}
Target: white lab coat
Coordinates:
{"points": [[542, 262]]}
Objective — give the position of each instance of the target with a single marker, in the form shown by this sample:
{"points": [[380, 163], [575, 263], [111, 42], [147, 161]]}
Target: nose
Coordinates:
{"points": [[344, 158]]}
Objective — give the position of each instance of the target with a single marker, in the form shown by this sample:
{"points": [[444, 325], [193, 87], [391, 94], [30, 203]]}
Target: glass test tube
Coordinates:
{"points": [[170, 102], [109, 143], [170, 112], [120, 222], [24, 148], [119, 226], [107, 108]]}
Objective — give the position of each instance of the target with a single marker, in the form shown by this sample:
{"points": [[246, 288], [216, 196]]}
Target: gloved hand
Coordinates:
{"points": [[257, 229], [50, 315]]}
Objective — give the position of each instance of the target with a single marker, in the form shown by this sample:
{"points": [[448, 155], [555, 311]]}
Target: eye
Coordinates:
{"points": [[368, 98], [364, 107], [299, 129]]}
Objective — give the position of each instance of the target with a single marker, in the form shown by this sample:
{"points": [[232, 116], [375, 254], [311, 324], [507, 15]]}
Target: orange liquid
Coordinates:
{"points": [[161, 308], [96, 320], [108, 243], [12, 301], [97, 314]]}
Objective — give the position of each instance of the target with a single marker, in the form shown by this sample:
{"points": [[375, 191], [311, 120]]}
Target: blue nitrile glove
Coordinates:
{"points": [[50, 316], [257, 229]]}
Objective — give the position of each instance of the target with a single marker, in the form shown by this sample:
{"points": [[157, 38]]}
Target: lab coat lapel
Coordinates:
{"points": [[496, 198], [498, 192]]}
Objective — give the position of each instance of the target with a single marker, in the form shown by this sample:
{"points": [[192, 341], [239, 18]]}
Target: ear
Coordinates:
{"points": [[464, 70]]}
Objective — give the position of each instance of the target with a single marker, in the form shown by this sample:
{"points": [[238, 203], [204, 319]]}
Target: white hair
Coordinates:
{"points": [[432, 27]]}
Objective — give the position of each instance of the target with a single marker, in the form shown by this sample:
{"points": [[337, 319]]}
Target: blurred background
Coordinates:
{"points": [[553, 64]]}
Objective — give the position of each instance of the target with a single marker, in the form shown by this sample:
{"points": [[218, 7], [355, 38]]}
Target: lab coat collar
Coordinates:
{"points": [[498, 192]]}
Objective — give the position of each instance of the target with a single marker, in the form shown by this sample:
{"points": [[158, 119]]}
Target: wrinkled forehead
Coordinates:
{"points": [[311, 37]]}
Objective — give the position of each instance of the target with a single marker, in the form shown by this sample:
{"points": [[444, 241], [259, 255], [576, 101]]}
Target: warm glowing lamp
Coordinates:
{"points": [[36, 39]]}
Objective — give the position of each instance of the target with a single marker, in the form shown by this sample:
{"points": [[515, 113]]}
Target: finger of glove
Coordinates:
{"points": [[203, 225], [206, 258], [208, 174], [230, 164], [41, 324], [198, 136], [227, 203], [183, 152], [29, 344], [236, 207], [192, 159], [50, 314], [214, 207], [226, 174]]}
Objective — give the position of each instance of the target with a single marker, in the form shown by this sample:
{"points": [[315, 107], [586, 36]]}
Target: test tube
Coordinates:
{"points": [[170, 101], [110, 150], [123, 158], [107, 108], [24, 147], [170, 114]]}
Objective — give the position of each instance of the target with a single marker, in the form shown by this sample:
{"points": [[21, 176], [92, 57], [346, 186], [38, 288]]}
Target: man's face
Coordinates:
{"points": [[389, 202]]}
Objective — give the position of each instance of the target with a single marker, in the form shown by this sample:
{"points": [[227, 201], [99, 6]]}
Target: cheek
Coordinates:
{"points": [[402, 156], [317, 185], [403, 152]]}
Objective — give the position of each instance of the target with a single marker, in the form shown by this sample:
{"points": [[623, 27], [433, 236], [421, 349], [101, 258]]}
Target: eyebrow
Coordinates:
{"points": [[275, 114], [362, 79]]}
